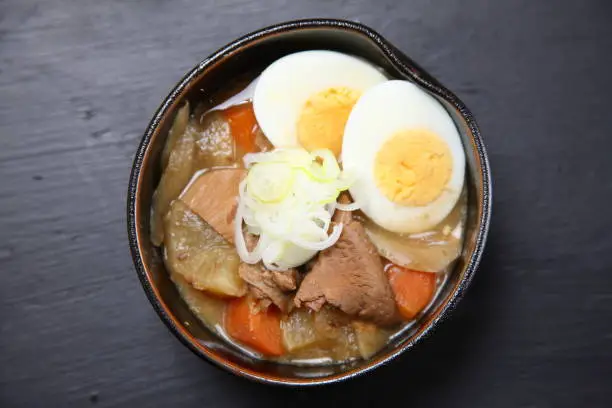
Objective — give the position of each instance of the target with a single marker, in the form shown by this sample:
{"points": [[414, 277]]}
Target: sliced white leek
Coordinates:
{"points": [[270, 182], [288, 200]]}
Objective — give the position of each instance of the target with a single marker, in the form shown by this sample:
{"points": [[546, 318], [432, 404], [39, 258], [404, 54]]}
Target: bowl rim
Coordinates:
{"points": [[400, 62]]}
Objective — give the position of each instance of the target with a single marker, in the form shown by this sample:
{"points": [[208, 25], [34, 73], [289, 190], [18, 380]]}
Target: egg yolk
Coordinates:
{"points": [[323, 117], [413, 167]]}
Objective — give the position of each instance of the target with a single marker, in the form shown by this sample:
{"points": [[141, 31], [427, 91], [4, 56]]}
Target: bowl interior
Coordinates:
{"points": [[208, 82]]}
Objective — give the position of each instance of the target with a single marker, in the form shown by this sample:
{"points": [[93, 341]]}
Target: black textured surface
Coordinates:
{"points": [[79, 81]]}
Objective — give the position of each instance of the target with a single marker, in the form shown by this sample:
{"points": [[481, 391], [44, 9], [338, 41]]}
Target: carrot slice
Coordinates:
{"points": [[243, 124], [260, 330], [413, 289]]}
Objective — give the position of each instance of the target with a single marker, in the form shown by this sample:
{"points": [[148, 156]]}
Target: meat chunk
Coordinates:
{"points": [[350, 276], [286, 280], [214, 197], [268, 286]]}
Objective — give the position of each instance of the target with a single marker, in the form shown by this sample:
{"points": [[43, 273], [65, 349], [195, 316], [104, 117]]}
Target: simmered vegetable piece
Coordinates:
{"points": [[257, 328], [243, 125], [299, 330], [176, 131], [174, 178], [213, 137], [413, 289], [326, 333], [195, 251], [430, 251], [206, 307], [370, 338], [334, 328]]}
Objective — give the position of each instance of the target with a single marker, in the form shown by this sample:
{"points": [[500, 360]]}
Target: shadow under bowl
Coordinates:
{"points": [[245, 58]]}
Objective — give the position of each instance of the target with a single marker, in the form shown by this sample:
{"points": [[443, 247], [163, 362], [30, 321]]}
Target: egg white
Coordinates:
{"points": [[379, 114], [284, 87]]}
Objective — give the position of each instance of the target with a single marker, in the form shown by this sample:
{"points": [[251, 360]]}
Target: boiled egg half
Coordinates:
{"points": [[304, 99], [405, 154]]}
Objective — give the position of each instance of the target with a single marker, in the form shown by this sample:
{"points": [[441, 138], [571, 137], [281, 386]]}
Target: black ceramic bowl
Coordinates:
{"points": [[248, 56]]}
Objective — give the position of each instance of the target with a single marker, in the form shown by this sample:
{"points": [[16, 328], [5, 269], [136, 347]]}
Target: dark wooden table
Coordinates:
{"points": [[79, 80]]}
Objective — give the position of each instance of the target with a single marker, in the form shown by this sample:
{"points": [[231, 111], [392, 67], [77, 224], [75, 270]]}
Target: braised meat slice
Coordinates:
{"points": [[214, 197], [268, 286], [350, 276]]}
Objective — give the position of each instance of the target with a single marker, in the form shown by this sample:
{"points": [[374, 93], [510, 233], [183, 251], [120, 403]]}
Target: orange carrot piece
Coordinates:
{"points": [[260, 330], [413, 289], [241, 119]]}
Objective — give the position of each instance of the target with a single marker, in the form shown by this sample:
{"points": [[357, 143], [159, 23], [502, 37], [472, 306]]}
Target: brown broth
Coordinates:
{"points": [[344, 339]]}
